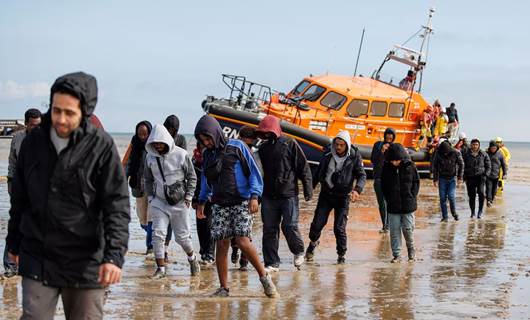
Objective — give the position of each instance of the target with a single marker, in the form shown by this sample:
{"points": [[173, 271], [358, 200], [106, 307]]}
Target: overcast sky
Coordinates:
{"points": [[154, 58]]}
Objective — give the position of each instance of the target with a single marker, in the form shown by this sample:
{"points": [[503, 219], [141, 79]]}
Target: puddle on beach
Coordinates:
{"points": [[466, 269]]}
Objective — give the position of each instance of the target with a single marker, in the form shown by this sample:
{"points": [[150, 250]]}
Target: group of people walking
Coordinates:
{"points": [[68, 229]]}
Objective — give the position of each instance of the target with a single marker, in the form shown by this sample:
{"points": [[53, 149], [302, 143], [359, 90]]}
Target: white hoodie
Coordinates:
{"points": [[337, 162], [176, 164]]}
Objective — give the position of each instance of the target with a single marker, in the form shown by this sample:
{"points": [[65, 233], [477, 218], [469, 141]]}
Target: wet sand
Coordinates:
{"points": [[466, 269]]}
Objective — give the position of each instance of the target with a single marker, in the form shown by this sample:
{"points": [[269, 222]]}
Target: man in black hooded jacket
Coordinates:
{"points": [[448, 170], [400, 183], [378, 159], [69, 216]]}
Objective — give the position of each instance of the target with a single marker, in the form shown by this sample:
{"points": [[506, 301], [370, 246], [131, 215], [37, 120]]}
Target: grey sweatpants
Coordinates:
{"points": [[179, 218], [40, 301]]}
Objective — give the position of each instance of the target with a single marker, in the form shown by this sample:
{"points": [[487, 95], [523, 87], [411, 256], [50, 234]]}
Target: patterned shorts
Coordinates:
{"points": [[229, 222]]}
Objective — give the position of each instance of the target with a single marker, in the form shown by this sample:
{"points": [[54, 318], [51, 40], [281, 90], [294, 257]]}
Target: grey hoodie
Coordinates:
{"points": [[336, 163], [176, 164]]}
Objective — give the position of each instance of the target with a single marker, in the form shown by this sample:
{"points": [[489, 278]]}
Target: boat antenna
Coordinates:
{"points": [[359, 54], [427, 31]]}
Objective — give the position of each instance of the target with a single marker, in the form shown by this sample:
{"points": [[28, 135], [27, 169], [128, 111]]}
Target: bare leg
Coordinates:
{"points": [[251, 253], [221, 261]]}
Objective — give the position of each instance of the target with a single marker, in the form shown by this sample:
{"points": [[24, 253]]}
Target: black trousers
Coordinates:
{"points": [[340, 205], [491, 188], [475, 186], [206, 243], [275, 213]]}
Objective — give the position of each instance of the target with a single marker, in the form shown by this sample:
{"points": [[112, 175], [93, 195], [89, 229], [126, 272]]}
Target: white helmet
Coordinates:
{"points": [[462, 136]]}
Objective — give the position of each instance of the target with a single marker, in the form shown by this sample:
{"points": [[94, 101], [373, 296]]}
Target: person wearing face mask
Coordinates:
{"points": [[342, 179], [170, 184], [400, 182], [284, 164]]}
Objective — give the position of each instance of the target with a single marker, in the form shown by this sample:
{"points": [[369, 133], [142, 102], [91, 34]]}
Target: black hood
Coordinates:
{"points": [[81, 85], [396, 152], [209, 126], [445, 148], [392, 132], [135, 139], [172, 122]]}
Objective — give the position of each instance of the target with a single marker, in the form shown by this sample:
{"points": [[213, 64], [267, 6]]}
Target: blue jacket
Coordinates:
{"points": [[238, 177]]}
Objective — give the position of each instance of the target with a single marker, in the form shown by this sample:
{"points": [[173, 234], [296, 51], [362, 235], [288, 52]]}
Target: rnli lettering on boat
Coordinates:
{"points": [[355, 127], [230, 133]]}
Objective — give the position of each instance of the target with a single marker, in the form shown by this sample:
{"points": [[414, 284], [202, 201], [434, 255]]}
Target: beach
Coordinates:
{"points": [[469, 269]]}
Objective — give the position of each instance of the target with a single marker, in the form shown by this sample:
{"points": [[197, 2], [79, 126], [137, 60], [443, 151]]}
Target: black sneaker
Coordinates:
{"points": [[341, 260], [479, 215], [235, 255], [444, 219], [456, 217], [310, 252], [166, 258], [472, 215], [396, 260]]}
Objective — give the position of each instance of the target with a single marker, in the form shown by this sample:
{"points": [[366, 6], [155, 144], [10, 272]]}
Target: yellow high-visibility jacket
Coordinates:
{"points": [[440, 128], [506, 153]]}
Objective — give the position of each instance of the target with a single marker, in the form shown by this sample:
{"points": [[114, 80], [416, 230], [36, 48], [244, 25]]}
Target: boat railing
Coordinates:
{"points": [[247, 93], [8, 127]]}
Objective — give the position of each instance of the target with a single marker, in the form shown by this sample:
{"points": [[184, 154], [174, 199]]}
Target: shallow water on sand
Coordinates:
{"points": [[466, 269]]}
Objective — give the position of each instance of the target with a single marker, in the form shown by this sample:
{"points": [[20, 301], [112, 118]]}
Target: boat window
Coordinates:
{"points": [[313, 93], [378, 109], [333, 100], [300, 87], [357, 108], [396, 110]]}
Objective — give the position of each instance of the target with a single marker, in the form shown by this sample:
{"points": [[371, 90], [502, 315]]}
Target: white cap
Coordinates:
{"points": [[462, 135]]}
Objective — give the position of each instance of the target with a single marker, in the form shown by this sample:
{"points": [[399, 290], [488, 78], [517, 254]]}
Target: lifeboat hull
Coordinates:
{"points": [[313, 144]]}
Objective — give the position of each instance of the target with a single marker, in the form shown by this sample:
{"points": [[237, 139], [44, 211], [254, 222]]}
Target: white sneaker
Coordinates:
{"points": [[298, 260], [271, 269]]}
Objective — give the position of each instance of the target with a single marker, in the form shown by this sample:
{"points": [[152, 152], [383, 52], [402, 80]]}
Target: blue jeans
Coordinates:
{"points": [[447, 189], [149, 234], [401, 223]]}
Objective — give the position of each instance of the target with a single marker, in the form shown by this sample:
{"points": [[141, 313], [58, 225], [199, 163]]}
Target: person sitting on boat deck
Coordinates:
{"points": [[477, 167], [462, 144], [284, 163], [407, 83], [248, 135], [170, 183], [134, 171], [400, 182], [448, 169], [452, 119], [499, 170], [70, 214], [440, 128], [232, 182], [342, 178], [507, 156], [32, 119], [378, 159]]}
